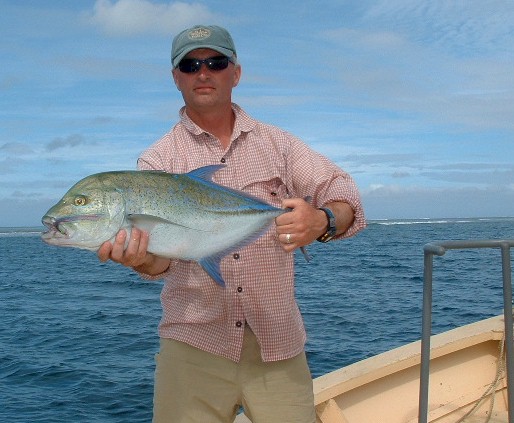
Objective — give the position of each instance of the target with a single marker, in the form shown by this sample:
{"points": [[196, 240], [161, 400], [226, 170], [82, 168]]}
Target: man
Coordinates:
{"points": [[242, 345]]}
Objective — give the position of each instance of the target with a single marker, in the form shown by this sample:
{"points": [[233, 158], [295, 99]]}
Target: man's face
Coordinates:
{"points": [[206, 88]]}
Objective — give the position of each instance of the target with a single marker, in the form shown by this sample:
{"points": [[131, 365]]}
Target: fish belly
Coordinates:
{"points": [[209, 237]]}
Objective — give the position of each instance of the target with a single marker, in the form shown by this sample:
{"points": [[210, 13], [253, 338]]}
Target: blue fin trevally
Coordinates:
{"points": [[188, 216]]}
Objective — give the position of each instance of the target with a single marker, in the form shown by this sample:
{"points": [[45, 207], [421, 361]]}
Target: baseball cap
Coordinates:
{"points": [[202, 36]]}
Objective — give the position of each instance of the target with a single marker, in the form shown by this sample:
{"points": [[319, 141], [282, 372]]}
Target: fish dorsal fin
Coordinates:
{"points": [[212, 266], [206, 172], [204, 175]]}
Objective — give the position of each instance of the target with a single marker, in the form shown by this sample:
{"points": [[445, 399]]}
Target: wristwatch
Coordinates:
{"points": [[331, 227]]}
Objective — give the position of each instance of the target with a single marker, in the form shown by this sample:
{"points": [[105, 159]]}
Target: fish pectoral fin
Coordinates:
{"points": [[212, 266], [147, 222]]}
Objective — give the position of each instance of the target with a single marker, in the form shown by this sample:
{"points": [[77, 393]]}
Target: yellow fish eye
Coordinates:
{"points": [[80, 200]]}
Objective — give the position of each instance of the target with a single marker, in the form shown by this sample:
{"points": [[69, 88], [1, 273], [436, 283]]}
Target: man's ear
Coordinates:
{"points": [[175, 80], [237, 75]]}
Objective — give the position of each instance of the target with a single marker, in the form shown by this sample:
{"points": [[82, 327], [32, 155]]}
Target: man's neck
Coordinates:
{"points": [[219, 123]]}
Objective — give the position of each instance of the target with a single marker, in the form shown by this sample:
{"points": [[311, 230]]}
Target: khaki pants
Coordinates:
{"points": [[193, 386]]}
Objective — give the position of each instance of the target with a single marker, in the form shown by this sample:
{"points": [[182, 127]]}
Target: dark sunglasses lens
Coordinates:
{"points": [[194, 65], [217, 63], [189, 65]]}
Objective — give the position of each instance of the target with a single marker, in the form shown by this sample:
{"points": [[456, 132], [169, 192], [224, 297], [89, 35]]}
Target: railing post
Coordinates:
{"points": [[507, 313], [426, 330]]}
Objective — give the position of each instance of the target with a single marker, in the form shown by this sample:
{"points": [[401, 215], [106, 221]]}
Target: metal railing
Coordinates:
{"points": [[439, 249]]}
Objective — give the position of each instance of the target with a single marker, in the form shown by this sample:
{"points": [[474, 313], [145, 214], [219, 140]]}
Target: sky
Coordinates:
{"points": [[415, 99]]}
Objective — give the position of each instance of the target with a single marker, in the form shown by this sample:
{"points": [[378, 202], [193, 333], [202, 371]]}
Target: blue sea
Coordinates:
{"points": [[78, 337]]}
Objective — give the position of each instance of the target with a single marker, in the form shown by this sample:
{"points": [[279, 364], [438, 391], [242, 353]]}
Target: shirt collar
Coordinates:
{"points": [[243, 122]]}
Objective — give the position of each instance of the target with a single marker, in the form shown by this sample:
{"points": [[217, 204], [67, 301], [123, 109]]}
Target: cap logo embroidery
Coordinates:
{"points": [[199, 34]]}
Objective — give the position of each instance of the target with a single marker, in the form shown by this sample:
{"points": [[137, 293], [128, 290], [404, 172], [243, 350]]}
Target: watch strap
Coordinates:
{"points": [[331, 227]]}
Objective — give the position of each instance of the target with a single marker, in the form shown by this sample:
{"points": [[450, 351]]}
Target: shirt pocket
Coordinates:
{"points": [[271, 191]]}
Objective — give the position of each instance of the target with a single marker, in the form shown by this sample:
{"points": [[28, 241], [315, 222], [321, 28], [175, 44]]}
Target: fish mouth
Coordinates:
{"points": [[57, 230]]}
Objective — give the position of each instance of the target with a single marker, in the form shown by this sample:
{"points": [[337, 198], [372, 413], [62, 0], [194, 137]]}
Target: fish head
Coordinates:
{"points": [[90, 213]]}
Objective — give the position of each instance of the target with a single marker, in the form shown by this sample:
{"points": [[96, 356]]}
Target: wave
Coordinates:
{"points": [[21, 231], [438, 221]]}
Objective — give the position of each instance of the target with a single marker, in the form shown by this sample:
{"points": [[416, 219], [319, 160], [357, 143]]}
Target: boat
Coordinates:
{"points": [[466, 370], [459, 376]]}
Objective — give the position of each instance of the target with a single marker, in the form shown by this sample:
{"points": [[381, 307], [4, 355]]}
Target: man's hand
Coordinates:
{"points": [[301, 226], [133, 253], [304, 223]]}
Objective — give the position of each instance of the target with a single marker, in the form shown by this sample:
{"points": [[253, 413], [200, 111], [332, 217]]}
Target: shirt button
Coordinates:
{"points": [[223, 160], [239, 289], [239, 323], [236, 256]]}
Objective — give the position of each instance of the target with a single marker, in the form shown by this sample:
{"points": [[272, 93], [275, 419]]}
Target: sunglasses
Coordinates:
{"points": [[217, 63]]}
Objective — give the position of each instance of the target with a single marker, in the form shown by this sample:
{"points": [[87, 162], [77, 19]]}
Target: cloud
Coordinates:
{"points": [[16, 149], [382, 158], [401, 174], [24, 194], [70, 141], [9, 82], [437, 61], [394, 201], [135, 17], [10, 166], [479, 28], [494, 176]]}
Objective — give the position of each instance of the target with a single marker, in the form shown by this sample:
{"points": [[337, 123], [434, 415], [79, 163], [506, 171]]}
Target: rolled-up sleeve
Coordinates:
{"points": [[313, 175]]}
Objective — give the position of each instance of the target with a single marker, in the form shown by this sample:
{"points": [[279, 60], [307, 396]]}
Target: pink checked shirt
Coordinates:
{"points": [[271, 164]]}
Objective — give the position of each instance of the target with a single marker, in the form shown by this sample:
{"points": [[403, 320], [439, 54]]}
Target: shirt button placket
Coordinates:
{"points": [[239, 290], [236, 257]]}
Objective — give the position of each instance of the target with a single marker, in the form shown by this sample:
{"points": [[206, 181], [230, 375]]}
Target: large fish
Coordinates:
{"points": [[188, 216]]}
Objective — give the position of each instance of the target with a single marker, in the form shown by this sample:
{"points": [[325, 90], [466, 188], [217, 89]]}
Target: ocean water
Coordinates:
{"points": [[78, 337]]}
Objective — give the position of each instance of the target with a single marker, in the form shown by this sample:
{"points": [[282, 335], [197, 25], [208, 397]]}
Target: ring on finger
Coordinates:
{"points": [[288, 238]]}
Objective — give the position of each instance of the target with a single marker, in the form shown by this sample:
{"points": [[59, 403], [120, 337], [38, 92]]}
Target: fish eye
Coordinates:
{"points": [[80, 200]]}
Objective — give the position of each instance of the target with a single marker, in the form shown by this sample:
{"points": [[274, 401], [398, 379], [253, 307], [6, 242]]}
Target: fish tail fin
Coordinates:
{"points": [[305, 254], [212, 266]]}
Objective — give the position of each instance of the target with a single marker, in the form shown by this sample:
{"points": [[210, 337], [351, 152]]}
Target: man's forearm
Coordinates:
{"points": [[153, 265], [344, 215]]}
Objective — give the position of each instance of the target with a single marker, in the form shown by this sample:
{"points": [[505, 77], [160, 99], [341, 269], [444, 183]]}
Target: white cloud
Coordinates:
{"points": [[16, 149], [438, 61], [477, 28], [134, 17], [422, 202]]}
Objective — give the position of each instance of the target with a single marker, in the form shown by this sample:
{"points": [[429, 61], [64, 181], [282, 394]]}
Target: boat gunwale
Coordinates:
{"points": [[337, 382]]}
